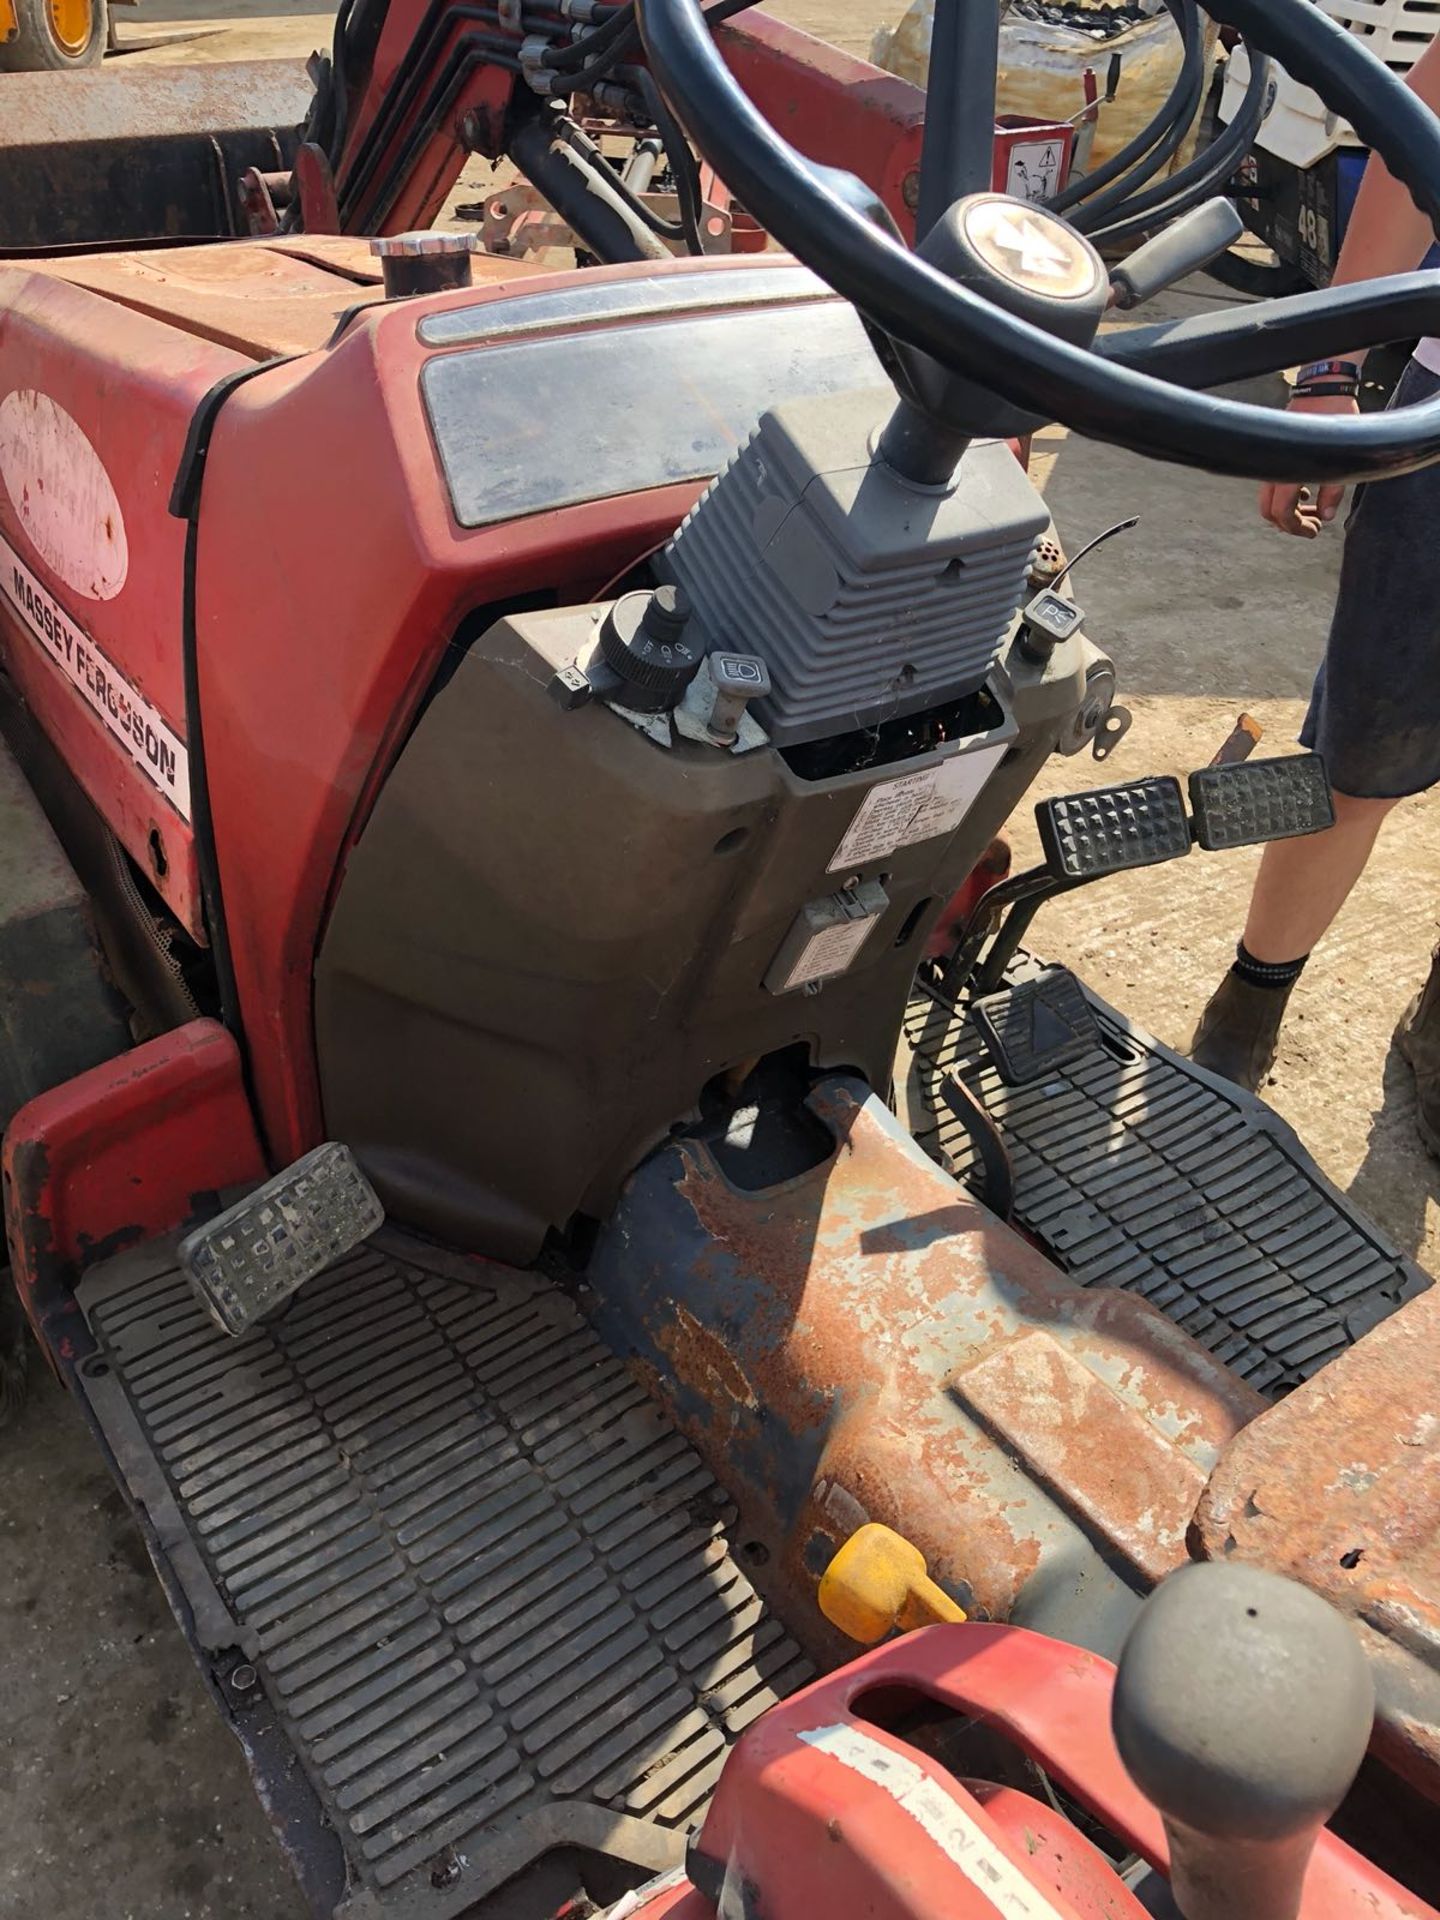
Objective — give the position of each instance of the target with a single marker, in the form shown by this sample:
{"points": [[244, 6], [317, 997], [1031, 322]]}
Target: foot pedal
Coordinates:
{"points": [[1087, 835], [1032, 1028], [248, 1260], [1255, 800]]}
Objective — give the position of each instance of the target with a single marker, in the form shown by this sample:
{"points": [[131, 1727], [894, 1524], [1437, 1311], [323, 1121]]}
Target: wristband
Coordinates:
{"points": [[1328, 370], [1325, 390]]}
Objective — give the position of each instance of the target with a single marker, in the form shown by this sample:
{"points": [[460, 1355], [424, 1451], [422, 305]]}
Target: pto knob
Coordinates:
{"points": [[643, 641], [423, 262], [1242, 1709]]}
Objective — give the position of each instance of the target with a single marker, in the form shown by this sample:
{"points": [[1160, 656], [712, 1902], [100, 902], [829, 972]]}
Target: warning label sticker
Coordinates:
{"points": [[150, 742], [828, 952], [918, 806]]}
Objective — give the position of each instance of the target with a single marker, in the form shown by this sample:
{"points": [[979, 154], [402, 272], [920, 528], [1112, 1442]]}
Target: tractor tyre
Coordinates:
{"points": [[1241, 272], [14, 1352], [55, 36]]}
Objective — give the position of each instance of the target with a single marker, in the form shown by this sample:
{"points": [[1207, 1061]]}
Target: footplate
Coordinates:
{"points": [[476, 1585], [1258, 800], [250, 1259], [1035, 1027], [1134, 1169]]}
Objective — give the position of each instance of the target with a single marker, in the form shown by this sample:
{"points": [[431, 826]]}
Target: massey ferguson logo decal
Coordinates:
{"points": [[127, 714]]}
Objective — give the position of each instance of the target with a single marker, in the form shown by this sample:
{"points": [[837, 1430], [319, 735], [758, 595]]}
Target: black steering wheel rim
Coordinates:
{"points": [[1094, 393]]}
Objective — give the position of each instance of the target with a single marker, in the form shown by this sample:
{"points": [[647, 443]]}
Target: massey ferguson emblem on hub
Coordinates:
{"points": [[128, 715]]}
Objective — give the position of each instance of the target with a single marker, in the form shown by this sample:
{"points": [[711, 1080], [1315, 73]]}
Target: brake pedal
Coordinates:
{"points": [[1088, 835], [1253, 800], [250, 1259], [1032, 1028]]}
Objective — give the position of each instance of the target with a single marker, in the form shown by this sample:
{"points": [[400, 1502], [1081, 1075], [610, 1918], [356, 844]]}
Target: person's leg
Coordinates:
{"points": [[1302, 884], [1300, 888], [1375, 720]]}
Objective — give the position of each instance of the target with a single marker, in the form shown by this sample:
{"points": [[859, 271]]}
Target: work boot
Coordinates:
{"points": [[1239, 1031], [1418, 1038]]}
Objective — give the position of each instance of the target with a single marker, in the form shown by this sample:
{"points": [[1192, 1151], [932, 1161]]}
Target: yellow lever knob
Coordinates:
{"points": [[878, 1583]]}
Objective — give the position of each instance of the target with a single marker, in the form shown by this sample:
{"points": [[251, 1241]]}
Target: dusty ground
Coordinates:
{"points": [[121, 1795]]}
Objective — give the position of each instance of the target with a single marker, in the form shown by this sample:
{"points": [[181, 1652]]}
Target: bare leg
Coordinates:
{"points": [[1302, 884]]}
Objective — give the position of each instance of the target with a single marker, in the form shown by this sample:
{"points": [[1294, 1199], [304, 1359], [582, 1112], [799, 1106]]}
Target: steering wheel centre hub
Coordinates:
{"points": [[1029, 248]]}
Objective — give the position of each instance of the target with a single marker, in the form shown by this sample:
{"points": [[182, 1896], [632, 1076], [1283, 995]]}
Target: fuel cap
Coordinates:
{"points": [[424, 261]]}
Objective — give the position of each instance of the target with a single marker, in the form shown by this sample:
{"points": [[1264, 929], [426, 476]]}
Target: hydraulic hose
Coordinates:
{"points": [[581, 192], [1135, 150], [667, 229], [681, 161], [1188, 94], [1209, 172]]}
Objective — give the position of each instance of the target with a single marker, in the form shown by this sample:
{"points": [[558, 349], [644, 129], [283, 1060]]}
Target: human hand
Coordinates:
{"points": [[1305, 510]]}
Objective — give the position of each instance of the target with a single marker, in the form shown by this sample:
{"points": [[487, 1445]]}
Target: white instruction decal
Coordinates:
{"points": [[955, 1831], [829, 952], [147, 738], [61, 494], [918, 806]]}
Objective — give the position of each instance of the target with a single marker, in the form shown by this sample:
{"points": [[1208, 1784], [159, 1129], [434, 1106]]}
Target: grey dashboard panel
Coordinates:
{"points": [[633, 298], [528, 424]]}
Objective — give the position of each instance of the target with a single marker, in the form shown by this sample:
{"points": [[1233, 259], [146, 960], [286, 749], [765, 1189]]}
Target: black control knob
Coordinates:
{"points": [[643, 642]]}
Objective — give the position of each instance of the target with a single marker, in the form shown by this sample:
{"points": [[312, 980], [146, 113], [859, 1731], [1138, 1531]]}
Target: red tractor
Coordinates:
{"points": [[520, 1131]]}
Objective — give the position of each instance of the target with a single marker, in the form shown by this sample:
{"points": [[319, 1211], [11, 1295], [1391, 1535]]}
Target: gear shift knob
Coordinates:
{"points": [[1242, 1709]]}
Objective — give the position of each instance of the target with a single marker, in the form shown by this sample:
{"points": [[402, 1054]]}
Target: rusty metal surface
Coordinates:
{"points": [[262, 298], [315, 189], [151, 103], [866, 1342], [1339, 1486], [125, 153]]}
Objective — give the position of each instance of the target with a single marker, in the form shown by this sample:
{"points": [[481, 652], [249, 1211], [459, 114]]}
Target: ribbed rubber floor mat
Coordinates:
{"points": [[487, 1586], [1134, 1171]]}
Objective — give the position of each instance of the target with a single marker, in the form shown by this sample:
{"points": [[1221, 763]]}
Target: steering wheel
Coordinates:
{"points": [[1136, 389]]}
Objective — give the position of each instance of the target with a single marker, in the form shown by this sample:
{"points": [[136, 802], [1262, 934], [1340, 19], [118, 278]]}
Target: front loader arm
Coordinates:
{"points": [[445, 77]]}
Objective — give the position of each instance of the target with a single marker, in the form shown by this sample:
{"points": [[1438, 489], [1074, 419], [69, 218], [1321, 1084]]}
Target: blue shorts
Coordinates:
{"points": [[1375, 709]]}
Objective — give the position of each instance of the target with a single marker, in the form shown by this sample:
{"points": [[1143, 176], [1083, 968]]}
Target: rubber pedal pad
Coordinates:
{"points": [[1032, 1028], [1257, 800], [250, 1259], [1111, 829]]}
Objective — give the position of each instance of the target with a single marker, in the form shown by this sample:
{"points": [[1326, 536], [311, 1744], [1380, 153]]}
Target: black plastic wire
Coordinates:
{"points": [[337, 80], [681, 161], [1134, 150], [582, 65], [586, 51], [665, 229], [1209, 172], [368, 201]]}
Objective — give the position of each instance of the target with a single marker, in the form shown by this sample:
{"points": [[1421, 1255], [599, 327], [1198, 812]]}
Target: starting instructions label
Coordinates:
{"points": [[127, 715], [918, 806]]}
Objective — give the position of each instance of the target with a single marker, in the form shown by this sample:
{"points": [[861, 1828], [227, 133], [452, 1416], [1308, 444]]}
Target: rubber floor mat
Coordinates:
{"points": [[1135, 1170], [488, 1590]]}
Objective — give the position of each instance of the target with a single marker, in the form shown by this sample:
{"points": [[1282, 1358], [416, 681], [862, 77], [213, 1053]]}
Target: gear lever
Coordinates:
{"points": [[1242, 1709]]}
